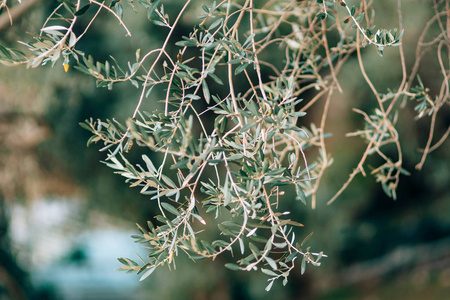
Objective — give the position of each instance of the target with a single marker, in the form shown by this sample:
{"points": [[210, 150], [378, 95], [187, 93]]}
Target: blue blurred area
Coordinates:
{"points": [[71, 257], [87, 270]]}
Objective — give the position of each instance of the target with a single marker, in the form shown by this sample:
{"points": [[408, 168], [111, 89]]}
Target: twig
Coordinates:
{"points": [[15, 13]]}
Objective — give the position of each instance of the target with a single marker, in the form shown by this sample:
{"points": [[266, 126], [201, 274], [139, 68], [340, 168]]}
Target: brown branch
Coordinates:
{"points": [[15, 13]]}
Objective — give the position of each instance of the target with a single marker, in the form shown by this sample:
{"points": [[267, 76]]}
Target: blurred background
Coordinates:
{"points": [[65, 217]]}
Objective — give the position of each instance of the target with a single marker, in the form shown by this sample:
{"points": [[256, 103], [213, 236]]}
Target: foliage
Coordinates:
{"points": [[236, 155]]}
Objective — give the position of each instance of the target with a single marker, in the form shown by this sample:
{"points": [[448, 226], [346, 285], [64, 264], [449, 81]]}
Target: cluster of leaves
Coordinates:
{"points": [[381, 39], [240, 167], [426, 105]]}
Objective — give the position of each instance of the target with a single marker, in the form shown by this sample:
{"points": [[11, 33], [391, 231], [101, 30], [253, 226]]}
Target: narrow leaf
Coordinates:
{"points": [[147, 273], [170, 208]]}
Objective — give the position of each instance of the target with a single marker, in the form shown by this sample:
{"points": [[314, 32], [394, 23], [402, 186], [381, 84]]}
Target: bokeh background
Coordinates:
{"points": [[65, 217]]}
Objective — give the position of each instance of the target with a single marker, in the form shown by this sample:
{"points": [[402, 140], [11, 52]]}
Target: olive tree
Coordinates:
{"points": [[230, 143]]}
